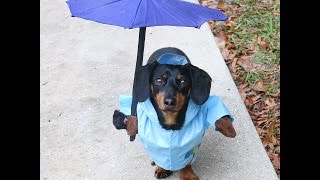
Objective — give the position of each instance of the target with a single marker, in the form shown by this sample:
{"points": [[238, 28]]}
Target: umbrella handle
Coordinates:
{"points": [[142, 34]]}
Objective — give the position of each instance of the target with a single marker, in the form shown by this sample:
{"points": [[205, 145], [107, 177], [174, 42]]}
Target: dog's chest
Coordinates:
{"points": [[171, 149]]}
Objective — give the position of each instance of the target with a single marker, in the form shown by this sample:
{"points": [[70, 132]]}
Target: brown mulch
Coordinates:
{"points": [[262, 96]]}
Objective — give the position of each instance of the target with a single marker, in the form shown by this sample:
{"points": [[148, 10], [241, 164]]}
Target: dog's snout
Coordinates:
{"points": [[170, 101]]}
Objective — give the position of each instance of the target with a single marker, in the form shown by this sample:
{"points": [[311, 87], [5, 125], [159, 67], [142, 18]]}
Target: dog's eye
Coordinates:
{"points": [[181, 81], [159, 81]]}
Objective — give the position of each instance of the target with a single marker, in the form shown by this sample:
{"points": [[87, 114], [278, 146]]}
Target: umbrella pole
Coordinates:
{"points": [[142, 34]]}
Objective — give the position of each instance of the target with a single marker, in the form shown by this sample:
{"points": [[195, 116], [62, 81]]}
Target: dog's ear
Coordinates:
{"points": [[141, 87], [201, 84]]}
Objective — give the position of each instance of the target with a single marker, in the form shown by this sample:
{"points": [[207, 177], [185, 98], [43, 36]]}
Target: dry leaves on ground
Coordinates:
{"points": [[252, 56]]}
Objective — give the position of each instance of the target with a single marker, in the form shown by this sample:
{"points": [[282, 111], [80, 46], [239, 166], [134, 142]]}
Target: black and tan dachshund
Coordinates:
{"points": [[170, 88]]}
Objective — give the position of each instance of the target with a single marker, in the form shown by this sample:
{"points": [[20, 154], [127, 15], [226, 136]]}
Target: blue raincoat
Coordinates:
{"points": [[175, 149]]}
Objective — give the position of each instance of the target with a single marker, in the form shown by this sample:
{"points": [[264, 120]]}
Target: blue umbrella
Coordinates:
{"points": [[144, 13], [141, 14]]}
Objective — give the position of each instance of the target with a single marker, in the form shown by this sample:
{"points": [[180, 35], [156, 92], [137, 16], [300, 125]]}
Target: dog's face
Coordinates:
{"points": [[169, 88]]}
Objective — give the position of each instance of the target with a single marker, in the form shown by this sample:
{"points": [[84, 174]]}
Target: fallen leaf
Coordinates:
{"points": [[235, 76], [259, 86], [251, 47], [274, 140], [221, 39], [232, 18], [245, 62], [261, 131], [210, 4], [221, 5], [248, 91], [259, 38], [242, 86], [266, 140], [263, 115], [256, 98], [230, 24], [220, 42], [276, 161], [234, 62], [271, 146], [225, 53], [263, 45], [266, 1], [234, 65], [254, 115], [248, 101], [231, 55], [261, 121], [211, 23], [271, 128], [230, 45], [243, 94], [270, 102]]}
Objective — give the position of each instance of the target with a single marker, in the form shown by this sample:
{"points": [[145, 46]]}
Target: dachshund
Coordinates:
{"points": [[170, 88]]}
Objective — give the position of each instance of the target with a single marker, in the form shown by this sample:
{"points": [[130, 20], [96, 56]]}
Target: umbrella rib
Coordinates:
{"points": [[136, 14], [155, 4]]}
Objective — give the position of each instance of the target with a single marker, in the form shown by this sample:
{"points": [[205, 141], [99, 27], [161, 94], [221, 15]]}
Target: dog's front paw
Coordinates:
{"points": [[161, 173], [224, 125]]}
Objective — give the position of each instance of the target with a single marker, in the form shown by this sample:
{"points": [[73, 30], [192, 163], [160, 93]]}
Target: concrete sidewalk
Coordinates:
{"points": [[85, 66]]}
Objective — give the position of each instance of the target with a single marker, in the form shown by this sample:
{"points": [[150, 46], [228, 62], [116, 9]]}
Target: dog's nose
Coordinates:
{"points": [[170, 101]]}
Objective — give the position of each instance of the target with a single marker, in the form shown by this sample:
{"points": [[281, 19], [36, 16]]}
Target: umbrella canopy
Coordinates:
{"points": [[144, 13]]}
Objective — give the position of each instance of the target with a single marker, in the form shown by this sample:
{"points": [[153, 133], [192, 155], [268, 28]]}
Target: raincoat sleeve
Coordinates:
{"points": [[215, 109], [125, 104]]}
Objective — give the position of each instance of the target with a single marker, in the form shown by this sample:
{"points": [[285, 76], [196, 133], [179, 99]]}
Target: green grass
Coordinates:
{"points": [[254, 33], [258, 20], [267, 58], [252, 77], [271, 90]]}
